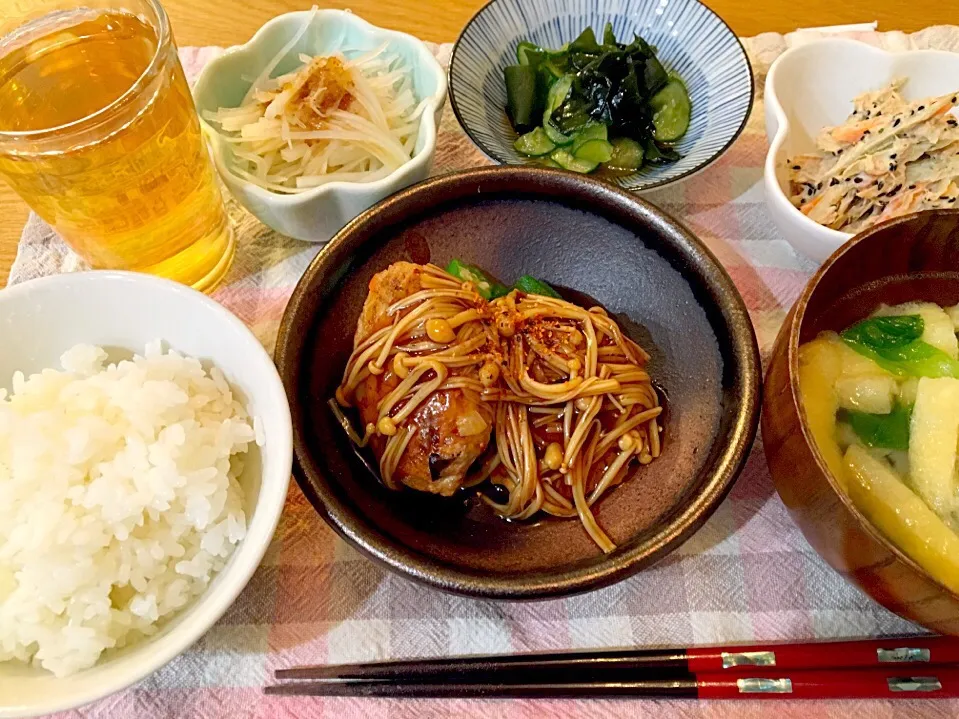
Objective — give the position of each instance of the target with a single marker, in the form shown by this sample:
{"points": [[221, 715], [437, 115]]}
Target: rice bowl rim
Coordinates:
{"points": [[150, 653]]}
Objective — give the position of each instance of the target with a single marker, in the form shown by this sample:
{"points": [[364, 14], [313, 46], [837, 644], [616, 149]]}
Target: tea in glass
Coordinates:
{"points": [[99, 135]]}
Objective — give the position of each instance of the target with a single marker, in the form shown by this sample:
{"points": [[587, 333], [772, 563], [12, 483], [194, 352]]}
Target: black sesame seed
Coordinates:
{"points": [[921, 108], [892, 167], [819, 186], [839, 152], [857, 180], [865, 133], [795, 167], [943, 197], [879, 184], [896, 122], [893, 156], [951, 200], [833, 181], [954, 98], [912, 112], [912, 187], [879, 114], [881, 129]]}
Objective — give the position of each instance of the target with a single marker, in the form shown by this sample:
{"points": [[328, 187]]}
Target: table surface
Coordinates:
{"points": [[210, 22]]}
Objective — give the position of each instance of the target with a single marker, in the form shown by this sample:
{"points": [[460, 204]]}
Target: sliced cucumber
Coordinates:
{"points": [[557, 95], [534, 143], [594, 131], [671, 110], [627, 154], [593, 151], [565, 159], [555, 136]]}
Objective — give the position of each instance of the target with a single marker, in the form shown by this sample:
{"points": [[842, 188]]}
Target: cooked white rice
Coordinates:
{"points": [[118, 500]]}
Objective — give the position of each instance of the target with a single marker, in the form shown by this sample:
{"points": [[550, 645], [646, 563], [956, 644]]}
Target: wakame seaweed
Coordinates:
{"points": [[609, 83]]}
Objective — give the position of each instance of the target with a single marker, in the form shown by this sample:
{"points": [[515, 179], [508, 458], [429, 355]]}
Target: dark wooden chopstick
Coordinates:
{"points": [[890, 683], [643, 663]]}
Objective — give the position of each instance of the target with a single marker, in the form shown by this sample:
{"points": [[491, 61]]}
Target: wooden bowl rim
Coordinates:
{"points": [[799, 314]]}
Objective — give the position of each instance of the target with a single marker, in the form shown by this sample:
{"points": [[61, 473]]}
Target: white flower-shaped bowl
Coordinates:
{"points": [[317, 214], [813, 86]]}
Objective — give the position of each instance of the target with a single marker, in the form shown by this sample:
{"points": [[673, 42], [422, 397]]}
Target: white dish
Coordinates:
{"points": [[318, 214], [125, 310], [812, 86]]}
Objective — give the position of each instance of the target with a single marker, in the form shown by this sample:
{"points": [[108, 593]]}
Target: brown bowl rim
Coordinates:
{"points": [[623, 563], [799, 313]]}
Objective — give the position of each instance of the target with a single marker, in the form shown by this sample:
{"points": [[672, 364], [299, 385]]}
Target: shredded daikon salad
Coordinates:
{"points": [[334, 119]]}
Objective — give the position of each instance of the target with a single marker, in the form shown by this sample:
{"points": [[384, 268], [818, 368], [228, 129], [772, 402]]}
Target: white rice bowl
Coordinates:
{"points": [[119, 500]]}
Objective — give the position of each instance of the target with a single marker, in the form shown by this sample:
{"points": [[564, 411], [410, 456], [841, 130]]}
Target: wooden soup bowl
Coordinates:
{"points": [[911, 258]]}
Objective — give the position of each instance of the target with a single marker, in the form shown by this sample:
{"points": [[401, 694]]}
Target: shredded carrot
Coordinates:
{"points": [[853, 133], [808, 207]]}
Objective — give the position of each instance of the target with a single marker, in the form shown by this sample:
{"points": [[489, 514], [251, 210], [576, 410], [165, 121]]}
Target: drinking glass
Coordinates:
{"points": [[99, 135]]}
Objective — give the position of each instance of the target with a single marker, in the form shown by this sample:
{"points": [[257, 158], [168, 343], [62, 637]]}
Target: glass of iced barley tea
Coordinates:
{"points": [[99, 135]]}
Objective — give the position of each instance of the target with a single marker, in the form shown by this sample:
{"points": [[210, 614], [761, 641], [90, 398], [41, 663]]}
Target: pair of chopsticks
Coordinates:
{"points": [[909, 667]]}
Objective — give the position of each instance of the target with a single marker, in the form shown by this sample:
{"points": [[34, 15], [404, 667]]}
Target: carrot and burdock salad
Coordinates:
{"points": [[889, 158]]}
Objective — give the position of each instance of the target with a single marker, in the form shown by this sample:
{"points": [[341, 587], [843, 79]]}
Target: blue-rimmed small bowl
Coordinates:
{"points": [[691, 40], [317, 214]]}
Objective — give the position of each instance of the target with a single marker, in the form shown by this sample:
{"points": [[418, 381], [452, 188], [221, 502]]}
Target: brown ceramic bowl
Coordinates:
{"points": [[662, 284], [912, 258]]}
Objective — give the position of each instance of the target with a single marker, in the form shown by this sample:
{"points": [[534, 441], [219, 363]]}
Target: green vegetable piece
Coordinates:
{"points": [[553, 69], [894, 344], [882, 431], [640, 46], [488, 288], [654, 75], [555, 136], [558, 62], [671, 110], [627, 154], [609, 37], [586, 42], [592, 131], [557, 95], [594, 151], [545, 79], [565, 159], [520, 94], [532, 286], [529, 54], [534, 143], [658, 153], [572, 117], [882, 333]]}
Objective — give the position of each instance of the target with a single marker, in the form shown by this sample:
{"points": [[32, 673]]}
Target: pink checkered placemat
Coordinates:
{"points": [[747, 575]]}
